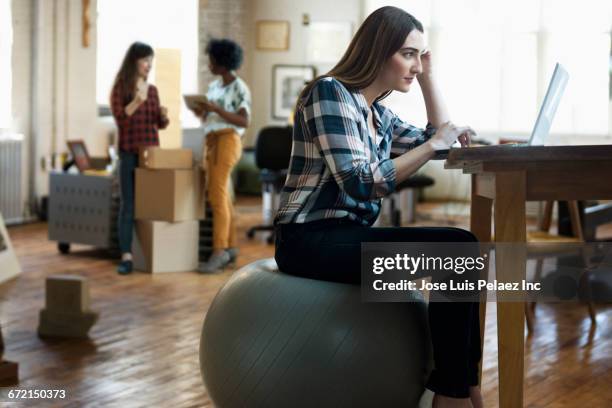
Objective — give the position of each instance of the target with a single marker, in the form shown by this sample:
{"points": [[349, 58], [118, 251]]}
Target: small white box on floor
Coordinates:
{"points": [[161, 246]]}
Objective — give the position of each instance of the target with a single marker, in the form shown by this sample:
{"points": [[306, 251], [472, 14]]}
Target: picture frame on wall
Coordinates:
{"points": [[272, 35], [287, 83]]}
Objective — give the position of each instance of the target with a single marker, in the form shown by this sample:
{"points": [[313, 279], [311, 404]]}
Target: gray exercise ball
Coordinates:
{"points": [[275, 340]]}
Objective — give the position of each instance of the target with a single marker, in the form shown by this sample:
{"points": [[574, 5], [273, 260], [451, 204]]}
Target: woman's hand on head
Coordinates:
{"points": [[426, 64], [448, 133]]}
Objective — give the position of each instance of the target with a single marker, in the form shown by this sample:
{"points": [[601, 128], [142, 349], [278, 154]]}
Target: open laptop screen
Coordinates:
{"points": [[556, 87]]}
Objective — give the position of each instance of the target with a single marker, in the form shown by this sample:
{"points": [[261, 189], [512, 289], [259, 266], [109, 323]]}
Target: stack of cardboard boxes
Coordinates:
{"points": [[169, 204]]}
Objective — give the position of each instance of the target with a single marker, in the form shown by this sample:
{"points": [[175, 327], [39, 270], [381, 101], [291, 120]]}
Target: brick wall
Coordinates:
{"points": [[222, 19]]}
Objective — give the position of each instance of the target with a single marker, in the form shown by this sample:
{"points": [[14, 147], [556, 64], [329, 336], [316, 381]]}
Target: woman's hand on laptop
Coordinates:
{"points": [[466, 137], [448, 133]]}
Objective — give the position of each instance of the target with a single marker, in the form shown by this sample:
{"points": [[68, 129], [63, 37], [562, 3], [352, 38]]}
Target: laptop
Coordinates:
{"points": [[541, 129]]}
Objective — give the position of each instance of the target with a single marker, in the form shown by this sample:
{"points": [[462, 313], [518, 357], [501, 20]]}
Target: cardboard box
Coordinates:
{"points": [[58, 324], [169, 195], [67, 294], [154, 157], [160, 246]]}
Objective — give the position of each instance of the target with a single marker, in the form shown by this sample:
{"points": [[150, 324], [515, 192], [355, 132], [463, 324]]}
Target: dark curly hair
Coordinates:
{"points": [[225, 53]]}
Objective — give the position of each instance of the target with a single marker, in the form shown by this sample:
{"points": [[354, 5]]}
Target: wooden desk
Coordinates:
{"points": [[505, 177]]}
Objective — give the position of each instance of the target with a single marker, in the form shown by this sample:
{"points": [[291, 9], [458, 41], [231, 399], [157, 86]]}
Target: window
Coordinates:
{"points": [[494, 58], [121, 22], [6, 78]]}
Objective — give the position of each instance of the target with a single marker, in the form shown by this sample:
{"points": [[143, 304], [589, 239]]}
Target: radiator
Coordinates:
{"points": [[11, 177]]}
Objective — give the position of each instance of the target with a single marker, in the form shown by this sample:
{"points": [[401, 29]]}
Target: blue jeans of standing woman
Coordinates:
{"points": [[127, 165]]}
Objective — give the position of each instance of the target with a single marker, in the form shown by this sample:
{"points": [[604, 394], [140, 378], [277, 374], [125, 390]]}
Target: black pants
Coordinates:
{"points": [[331, 250]]}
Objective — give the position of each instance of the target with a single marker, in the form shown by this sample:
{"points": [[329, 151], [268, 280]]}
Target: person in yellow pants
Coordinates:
{"points": [[225, 116]]}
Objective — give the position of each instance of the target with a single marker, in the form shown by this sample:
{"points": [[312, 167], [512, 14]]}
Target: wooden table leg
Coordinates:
{"points": [[510, 267], [480, 225]]}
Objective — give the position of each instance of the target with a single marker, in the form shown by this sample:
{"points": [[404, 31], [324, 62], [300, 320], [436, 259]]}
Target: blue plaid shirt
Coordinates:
{"points": [[337, 169]]}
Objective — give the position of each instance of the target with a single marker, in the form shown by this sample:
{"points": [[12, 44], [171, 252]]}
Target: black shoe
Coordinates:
{"points": [[124, 268]]}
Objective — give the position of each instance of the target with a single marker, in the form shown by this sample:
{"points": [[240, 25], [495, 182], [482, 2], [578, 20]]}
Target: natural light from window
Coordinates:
{"points": [[494, 58], [161, 25]]}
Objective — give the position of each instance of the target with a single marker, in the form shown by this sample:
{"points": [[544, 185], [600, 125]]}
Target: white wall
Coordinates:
{"points": [[21, 64], [54, 80], [81, 109], [262, 61], [21, 82]]}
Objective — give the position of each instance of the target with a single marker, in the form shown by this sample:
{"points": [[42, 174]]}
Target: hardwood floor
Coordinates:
{"points": [[144, 349]]}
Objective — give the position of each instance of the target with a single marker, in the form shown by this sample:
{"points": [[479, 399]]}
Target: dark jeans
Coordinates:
{"points": [[331, 250], [127, 164]]}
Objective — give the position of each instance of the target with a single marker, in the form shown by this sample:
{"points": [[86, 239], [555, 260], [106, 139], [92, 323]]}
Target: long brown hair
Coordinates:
{"points": [[128, 73], [380, 36]]}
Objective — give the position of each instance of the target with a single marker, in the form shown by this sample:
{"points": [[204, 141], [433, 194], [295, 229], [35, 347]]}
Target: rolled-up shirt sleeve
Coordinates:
{"points": [[332, 123], [243, 98], [407, 136]]}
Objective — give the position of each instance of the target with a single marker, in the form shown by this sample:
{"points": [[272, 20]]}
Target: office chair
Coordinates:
{"points": [[549, 249], [272, 154], [592, 215], [409, 188]]}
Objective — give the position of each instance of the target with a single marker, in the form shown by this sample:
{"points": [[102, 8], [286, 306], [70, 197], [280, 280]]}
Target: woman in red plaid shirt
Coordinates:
{"points": [[139, 115]]}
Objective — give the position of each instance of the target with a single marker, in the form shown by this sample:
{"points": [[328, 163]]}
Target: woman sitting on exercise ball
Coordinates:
{"points": [[341, 167]]}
